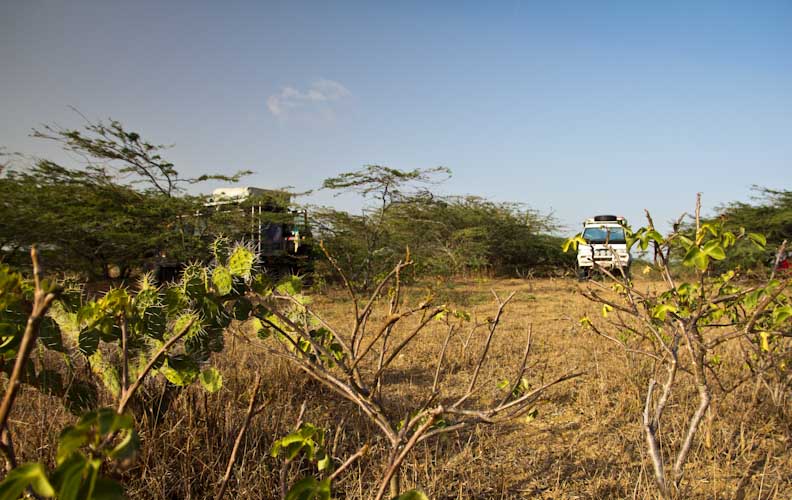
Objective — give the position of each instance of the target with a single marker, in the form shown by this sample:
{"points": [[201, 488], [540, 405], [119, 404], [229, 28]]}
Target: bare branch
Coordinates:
{"points": [[42, 300], [521, 371], [349, 461], [441, 357], [493, 326]]}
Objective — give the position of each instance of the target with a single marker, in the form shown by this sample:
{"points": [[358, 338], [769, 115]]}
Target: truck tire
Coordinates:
{"points": [[605, 218], [582, 273]]}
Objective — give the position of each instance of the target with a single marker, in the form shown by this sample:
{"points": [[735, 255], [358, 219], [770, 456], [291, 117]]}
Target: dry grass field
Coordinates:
{"points": [[584, 442]]}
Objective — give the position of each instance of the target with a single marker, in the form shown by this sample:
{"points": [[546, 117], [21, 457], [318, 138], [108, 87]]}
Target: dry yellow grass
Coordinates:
{"points": [[586, 441]]}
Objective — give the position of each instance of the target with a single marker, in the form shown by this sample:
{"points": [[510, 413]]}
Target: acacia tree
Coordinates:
{"points": [[461, 234], [123, 206], [111, 148], [387, 187], [447, 235], [84, 220]]}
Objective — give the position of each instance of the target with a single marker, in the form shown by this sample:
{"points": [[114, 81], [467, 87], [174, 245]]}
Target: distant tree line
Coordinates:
{"points": [[446, 235], [127, 206]]}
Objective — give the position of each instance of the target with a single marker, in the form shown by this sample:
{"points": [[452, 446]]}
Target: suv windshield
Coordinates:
{"points": [[603, 234]]}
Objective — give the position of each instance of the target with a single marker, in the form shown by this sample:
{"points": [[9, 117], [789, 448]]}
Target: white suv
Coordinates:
{"points": [[605, 248]]}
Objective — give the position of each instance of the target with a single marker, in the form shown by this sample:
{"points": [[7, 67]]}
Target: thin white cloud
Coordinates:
{"points": [[320, 92]]}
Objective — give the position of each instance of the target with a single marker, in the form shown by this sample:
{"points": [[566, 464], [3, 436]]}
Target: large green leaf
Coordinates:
{"points": [[68, 476], [572, 243], [661, 310], [714, 249], [782, 313], [180, 370], [211, 380], [18, 480], [127, 447], [695, 257], [222, 280], [759, 239], [309, 488], [107, 489], [240, 263]]}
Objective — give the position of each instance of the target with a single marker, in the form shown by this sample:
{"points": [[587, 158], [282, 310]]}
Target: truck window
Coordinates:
{"points": [[602, 234]]}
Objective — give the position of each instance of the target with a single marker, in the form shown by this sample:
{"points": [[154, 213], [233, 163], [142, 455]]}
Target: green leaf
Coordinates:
{"points": [[324, 463], [309, 488], [572, 243], [695, 257], [685, 241], [71, 439], [262, 331], [782, 313], [109, 421], [728, 239], [29, 474], [180, 370], [240, 263], [708, 227], [107, 489], [290, 286], [654, 235], [211, 380], [127, 447], [759, 239], [68, 477], [222, 280], [714, 249], [661, 310]]}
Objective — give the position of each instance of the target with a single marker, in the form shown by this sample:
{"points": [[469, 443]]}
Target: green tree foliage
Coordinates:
{"points": [[447, 235], [387, 187], [124, 208], [460, 235], [83, 219], [770, 215]]}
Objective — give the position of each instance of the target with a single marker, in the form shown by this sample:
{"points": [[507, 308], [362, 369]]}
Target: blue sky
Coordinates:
{"points": [[572, 107]]}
